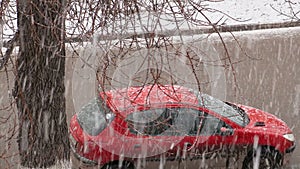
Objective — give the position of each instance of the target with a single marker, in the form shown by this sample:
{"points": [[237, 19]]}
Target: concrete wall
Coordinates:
{"points": [[267, 70]]}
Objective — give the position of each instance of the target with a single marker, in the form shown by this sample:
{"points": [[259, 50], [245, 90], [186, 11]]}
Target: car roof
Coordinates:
{"points": [[148, 95]]}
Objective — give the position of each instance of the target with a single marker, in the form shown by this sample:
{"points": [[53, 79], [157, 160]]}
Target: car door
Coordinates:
{"points": [[150, 133], [208, 142]]}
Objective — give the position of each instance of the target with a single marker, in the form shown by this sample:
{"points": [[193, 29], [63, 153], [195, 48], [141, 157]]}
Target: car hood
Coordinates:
{"points": [[260, 119]]}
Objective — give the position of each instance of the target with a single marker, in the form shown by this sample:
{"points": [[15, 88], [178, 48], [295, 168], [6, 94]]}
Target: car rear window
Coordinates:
{"points": [[94, 117]]}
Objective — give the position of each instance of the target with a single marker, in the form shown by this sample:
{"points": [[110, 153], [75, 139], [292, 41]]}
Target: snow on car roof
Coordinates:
{"points": [[148, 95]]}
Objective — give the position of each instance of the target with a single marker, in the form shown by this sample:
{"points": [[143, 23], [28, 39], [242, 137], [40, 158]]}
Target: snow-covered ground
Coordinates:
{"points": [[254, 11], [231, 12]]}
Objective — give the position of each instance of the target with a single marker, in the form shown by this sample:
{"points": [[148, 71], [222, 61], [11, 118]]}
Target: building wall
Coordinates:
{"points": [[267, 70]]}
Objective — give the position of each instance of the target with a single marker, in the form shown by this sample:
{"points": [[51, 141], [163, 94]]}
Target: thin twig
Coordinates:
{"points": [[10, 47]]}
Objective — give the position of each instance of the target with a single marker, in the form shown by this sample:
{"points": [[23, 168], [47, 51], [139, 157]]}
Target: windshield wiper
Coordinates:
{"points": [[240, 111]]}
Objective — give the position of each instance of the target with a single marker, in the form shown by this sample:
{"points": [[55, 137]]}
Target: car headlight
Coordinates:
{"points": [[289, 137]]}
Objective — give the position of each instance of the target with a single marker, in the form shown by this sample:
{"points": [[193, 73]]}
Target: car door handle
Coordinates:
{"points": [[187, 145], [137, 146]]}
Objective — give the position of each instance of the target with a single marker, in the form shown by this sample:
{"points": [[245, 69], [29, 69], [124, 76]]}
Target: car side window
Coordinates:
{"points": [[187, 121], [163, 121], [149, 122], [212, 125]]}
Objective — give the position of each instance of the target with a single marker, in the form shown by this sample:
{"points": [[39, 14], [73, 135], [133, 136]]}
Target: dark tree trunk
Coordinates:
{"points": [[43, 135]]}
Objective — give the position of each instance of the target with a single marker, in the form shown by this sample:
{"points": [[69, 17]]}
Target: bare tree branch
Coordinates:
{"points": [[10, 47]]}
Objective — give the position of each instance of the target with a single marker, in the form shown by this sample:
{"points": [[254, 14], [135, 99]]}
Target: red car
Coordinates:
{"points": [[171, 125]]}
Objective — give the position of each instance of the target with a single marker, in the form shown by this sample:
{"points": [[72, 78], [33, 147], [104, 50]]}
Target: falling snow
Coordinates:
{"points": [[269, 75]]}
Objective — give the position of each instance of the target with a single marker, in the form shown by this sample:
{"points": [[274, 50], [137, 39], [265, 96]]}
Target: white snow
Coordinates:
{"points": [[58, 165], [227, 12], [232, 12], [254, 11]]}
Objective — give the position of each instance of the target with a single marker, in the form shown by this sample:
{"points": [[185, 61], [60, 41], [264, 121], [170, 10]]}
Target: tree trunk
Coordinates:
{"points": [[43, 135]]}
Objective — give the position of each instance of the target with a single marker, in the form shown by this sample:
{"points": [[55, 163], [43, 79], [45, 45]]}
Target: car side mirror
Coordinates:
{"points": [[226, 131]]}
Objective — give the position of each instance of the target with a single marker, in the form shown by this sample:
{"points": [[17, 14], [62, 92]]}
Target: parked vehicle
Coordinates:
{"points": [[131, 127]]}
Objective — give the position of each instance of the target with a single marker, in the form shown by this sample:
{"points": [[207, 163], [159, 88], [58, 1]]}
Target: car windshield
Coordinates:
{"points": [[224, 109], [94, 117]]}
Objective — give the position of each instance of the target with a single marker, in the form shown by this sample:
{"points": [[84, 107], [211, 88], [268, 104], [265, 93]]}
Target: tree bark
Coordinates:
{"points": [[40, 92]]}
